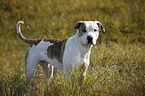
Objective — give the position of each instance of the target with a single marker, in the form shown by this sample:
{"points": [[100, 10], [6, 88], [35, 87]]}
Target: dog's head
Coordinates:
{"points": [[88, 31]]}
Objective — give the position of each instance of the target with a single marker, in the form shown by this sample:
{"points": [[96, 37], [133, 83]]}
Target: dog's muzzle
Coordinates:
{"points": [[90, 39]]}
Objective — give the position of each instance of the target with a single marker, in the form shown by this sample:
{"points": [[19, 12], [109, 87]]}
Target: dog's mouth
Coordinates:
{"points": [[90, 43]]}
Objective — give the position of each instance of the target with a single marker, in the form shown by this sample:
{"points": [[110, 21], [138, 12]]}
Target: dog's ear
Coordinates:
{"points": [[78, 25], [100, 25]]}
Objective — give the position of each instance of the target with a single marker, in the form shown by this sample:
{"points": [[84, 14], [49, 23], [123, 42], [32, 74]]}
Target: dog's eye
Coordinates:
{"points": [[95, 30]]}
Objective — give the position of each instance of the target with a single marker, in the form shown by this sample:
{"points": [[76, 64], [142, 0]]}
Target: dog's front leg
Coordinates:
{"points": [[83, 69]]}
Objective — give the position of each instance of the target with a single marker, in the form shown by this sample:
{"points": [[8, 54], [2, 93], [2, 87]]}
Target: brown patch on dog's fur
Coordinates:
{"points": [[82, 29], [56, 50]]}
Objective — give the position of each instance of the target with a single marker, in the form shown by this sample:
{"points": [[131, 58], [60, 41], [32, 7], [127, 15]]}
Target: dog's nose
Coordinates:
{"points": [[90, 39]]}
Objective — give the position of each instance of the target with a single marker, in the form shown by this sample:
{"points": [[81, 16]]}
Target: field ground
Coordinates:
{"points": [[117, 64]]}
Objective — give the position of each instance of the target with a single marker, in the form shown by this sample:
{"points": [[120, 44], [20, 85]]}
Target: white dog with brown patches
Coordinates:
{"points": [[63, 54]]}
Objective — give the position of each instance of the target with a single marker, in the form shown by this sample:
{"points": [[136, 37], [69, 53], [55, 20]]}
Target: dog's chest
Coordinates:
{"points": [[82, 58], [76, 54]]}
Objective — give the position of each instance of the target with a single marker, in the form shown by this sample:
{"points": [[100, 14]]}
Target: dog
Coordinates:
{"points": [[62, 54]]}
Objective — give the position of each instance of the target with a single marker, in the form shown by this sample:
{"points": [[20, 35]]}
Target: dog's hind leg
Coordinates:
{"points": [[31, 64], [45, 67], [48, 69]]}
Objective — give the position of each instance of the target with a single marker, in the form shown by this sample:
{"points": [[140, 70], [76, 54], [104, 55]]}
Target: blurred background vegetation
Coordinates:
{"points": [[117, 64], [124, 20]]}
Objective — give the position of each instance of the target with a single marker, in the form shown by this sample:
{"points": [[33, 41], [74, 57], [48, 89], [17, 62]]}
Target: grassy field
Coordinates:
{"points": [[117, 64]]}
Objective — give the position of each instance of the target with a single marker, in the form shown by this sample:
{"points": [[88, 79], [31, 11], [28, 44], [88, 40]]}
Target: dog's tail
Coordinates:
{"points": [[22, 37]]}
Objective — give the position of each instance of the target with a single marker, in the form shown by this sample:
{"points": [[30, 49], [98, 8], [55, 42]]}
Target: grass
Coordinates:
{"points": [[117, 64], [114, 70]]}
